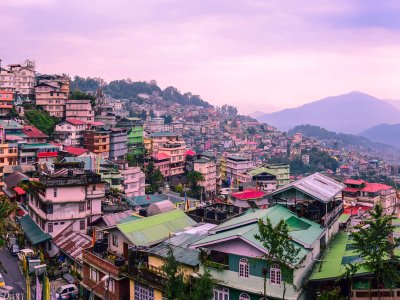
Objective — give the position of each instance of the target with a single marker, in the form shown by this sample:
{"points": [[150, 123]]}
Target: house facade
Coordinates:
{"points": [[97, 141], [69, 132], [118, 143], [79, 109]]}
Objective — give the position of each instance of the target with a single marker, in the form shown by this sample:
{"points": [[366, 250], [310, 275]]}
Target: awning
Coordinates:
{"points": [[33, 232], [19, 190]]}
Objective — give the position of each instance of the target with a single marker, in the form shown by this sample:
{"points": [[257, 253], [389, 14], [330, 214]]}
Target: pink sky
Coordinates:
{"points": [[252, 54]]}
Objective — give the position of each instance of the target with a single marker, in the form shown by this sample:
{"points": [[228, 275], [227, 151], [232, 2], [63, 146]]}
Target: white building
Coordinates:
{"points": [[237, 168], [19, 78], [69, 132], [133, 181]]}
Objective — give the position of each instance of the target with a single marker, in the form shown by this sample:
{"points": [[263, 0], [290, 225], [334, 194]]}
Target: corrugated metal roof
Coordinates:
{"points": [[316, 185], [72, 243], [154, 229], [112, 219], [33, 232]]}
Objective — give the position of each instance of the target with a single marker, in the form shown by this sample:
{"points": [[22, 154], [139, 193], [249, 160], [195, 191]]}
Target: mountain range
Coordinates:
{"points": [[384, 133], [354, 112]]}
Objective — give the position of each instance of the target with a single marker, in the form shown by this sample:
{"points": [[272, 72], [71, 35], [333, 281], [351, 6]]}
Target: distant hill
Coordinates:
{"points": [[348, 142], [395, 103], [349, 113], [127, 89], [256, 114], [384, 133]]}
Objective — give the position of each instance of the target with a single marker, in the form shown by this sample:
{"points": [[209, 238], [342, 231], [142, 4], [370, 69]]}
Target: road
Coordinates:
{"points": [[13, 277]]}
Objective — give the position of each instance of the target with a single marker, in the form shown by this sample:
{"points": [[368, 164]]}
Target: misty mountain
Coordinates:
{"points": [[348, 142], [395, 103], [349, 113], [384, 133], [256, 114]]}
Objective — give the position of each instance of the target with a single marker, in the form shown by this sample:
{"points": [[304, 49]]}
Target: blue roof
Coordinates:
{"points": [[145, 200], [162, 133]]}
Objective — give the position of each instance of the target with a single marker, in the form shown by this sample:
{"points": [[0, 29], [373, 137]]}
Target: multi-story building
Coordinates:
{"points": [[176, 151], [28, 153], [133, 181], [6, 101], [134, 126], [159, 139], [34, 135], [156, 125], [68, 197], [8, 154], [19, 79], [271, 177], [79, 109], [235, 257], [69, 132], [161, 162], [97, 141], [369, 194], [52, 93], [118, 143], [208, 168], [237, 168]]}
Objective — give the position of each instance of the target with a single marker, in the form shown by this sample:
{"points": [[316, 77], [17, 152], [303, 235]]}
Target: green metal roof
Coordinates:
{"points": [[129, 219], [303, 232], [154, 229], [338, 254], [33, 232]]}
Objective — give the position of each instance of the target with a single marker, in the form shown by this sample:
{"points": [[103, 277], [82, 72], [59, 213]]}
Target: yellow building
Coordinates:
{"points": [[8, 156], [151, 280]]}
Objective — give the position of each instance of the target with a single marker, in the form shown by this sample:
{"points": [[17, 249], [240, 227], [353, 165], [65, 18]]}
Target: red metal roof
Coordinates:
{"points": [[353, 210], [161, 156], [75, 150], [47, 154], [75, 121], [248, 194], [19, 190], [190, 152], [354, 181], [375, 187], [351, 190], [33, 132]]}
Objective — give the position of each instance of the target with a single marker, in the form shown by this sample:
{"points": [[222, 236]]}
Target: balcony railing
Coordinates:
{"points": [[374, 294], [102, 261], [215, 265], [149, 275]]}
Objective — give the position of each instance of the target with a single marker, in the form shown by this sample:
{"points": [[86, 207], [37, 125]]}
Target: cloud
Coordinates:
{"points": [[245, 52]]}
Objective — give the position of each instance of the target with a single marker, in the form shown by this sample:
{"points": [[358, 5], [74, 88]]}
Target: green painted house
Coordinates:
{"points": [[235, 256], [280, 172], [135, 135]]}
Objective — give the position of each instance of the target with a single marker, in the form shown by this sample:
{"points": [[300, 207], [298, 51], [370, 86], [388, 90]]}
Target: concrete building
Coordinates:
{"points": [[19, 79], [133, 181], [97, 141], [134, 126], [237, 168], [8, 156], [176, 151], [52, 207], [6, 101], [79, 109], [34, 135], [208, 168], [272, 176], [69, 132], [52, 93], [118, 143]]}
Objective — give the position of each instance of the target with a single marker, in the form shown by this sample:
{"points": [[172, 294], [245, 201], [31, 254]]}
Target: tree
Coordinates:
{"points": [[375, 244], [78, 95], [6, 209], [154, 179], [175, 287], [193, 178], [280, 250], [41, 120], [202, 287]]}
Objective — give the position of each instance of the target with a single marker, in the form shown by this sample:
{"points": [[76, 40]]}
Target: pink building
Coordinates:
{"points": [[208, 168], [133, 181], [79, 109], [162, 162]]}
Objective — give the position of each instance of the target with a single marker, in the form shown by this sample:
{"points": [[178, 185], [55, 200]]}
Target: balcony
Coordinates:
{"points": [[104, 261], [151, 276], [383, 294], [98, 193]]}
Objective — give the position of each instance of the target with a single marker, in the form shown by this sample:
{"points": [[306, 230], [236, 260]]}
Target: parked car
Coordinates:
{"points": [[2, 283], [5, 292], [67, 291], [24, 253]]}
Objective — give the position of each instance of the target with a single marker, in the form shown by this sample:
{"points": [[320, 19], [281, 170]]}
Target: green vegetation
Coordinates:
{"points": [[202, 287], [175, 287], [87, 84], [193, 178], [375, 244], [154, 179], [280, 250], [173, 95], [6, 209], [41, 120], [78, 95]]}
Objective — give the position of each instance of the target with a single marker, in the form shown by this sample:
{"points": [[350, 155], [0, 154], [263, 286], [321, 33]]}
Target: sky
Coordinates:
{"points": [[254, 54]]}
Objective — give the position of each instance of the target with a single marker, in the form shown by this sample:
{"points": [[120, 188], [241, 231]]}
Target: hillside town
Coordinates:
{"points": [[120, 198]]}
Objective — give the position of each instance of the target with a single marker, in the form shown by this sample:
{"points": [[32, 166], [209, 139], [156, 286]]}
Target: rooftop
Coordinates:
{"points": [[33, 132], [162, 133], [249, 194]]}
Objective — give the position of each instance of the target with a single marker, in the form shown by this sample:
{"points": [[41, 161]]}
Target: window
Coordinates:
{"points": [[115, 240], [110, 285], [81, 206], [94, 274], [82, 224], [88, 204], [244, 268], [55, 192], [50, 227], [244, 296], [275, 274], [221, 293], [143, 292]]}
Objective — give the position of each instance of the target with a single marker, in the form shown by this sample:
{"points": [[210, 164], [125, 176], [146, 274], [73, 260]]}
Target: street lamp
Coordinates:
{"points": [[103, 279]]}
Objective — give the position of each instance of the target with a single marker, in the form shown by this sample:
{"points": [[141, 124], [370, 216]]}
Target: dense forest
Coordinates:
{"points": [[41, 119], [128, 89]]}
